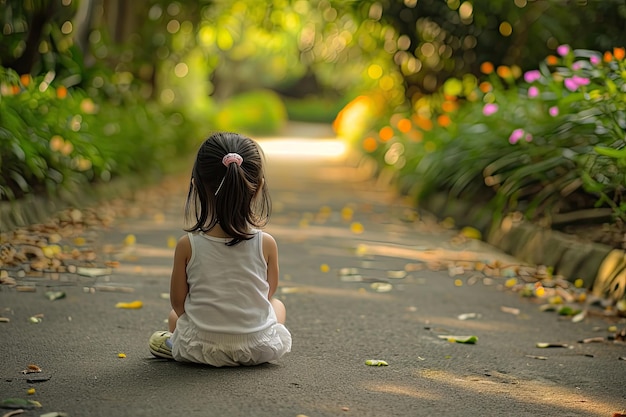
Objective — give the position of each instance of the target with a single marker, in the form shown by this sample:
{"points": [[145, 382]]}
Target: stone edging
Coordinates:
{"points": [[599, 266], [37, 209]]}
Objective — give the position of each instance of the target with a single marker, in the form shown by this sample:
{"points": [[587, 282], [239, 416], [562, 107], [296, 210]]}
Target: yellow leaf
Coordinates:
{"points": [[356, 228], [31, 391], [79, 241], [471, 233], [458, 283], [579, 283], [448, 223], [540, 291], [511, 282], [324, 268], [347, 213], [132, 305], [171, 242], [121, 355], [130, 240]]}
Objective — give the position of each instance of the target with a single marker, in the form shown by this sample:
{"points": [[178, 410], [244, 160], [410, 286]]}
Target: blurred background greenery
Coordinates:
{"points": [[92, 90]]}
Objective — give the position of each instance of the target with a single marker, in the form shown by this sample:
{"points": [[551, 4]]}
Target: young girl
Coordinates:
{"points": [[225, 269]]}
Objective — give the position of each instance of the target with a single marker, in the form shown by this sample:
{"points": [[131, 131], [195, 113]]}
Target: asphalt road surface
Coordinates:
{"points": [[363, 276]]}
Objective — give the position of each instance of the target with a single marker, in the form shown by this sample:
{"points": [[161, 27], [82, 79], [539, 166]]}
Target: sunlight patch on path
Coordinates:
{"points": [[303, 148]]}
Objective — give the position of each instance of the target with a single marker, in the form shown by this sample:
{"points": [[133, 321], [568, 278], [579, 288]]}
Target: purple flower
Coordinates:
{"points": [[532, 76], [594, 59], [489, 109], [571, 84], [562, 50], [516, 135], [581, 80], [554, 111], [533, 92]]}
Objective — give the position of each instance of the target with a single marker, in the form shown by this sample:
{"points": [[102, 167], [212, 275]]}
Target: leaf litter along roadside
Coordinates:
{"points": [[536, 283], [66, 249]]}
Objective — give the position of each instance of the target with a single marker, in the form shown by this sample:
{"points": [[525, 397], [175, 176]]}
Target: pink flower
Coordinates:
{"points": [[532, 76], [594, 59], [554, 111], [581, 80], [571, 84], [516, 135], [533, 92], [489, 109], [562, 50], [577, 65], [528, 137]]}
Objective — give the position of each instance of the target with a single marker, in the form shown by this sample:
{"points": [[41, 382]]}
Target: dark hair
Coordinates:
{"points": [[242, 200]]}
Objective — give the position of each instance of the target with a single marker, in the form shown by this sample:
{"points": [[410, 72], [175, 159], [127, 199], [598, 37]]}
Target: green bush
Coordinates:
{"points": [[259, 112], [314, 110], [53, 138], [552, 143]]}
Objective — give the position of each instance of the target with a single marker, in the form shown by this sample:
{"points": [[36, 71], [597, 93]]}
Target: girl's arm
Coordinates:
{"points": [[178, 284], [270, 252]]}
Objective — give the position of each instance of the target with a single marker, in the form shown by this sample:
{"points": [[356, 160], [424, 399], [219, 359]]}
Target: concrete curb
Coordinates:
{"points": [[37, 209], [602, 268]]}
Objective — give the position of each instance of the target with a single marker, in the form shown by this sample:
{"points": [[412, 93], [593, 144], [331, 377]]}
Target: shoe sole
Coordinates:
{"points": [[160, 354]]}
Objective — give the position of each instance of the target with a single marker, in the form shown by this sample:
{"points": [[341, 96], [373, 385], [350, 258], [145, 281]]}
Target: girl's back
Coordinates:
{"points": [[228, 288]]}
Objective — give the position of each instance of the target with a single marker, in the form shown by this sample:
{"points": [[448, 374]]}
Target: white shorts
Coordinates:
{"points": [[189, 344]]}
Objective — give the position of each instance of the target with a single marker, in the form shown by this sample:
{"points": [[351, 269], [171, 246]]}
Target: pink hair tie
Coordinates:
{"points": [[229, 158]]}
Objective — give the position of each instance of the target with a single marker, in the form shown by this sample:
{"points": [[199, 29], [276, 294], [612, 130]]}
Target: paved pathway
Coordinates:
{"points": [[328, 219]]}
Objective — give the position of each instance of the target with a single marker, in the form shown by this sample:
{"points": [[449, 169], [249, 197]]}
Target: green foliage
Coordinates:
{"points": [[54, 139], [316, 110], [553, 143], [256, 113]]}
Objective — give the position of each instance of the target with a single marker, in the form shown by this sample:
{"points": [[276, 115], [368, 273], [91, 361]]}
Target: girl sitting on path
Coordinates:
{"points": [[225, 269]]}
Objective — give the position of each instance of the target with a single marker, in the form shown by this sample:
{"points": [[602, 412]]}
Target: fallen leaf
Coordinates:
{"points": [[324, 268], [35, 379], [396, 274], [93, 272], [579, 317], [132, 305], [592, 340], [468, 316], [130, 240], [471, 233], [17, 403], [544, 345], [567, 311], [347, 213], [357, 228], [4, 319], [470, 340], [55, 295], [13, 413], [376, 362], [510, 310], [381, 286], [511, 282], [31, 391], [121, 355], [542, 358], [32, 368]]}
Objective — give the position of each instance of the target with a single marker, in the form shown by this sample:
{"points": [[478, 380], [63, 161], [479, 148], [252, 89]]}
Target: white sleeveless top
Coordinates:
{"points": [[228, 285]]}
